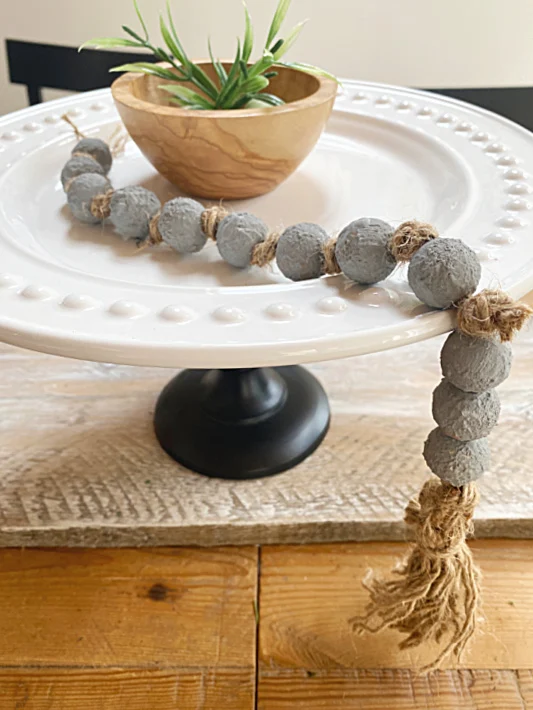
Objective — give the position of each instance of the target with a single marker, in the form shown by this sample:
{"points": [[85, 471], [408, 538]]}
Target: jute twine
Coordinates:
{"points": [[331, 265], [79, 135], [100, 205], [265, 252], [490, 312], [436, 594], [211, 219], [409, 237], [154, 237]]}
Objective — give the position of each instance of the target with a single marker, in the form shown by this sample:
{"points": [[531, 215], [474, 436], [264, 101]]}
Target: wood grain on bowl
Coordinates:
{"points": [[231, 154]]}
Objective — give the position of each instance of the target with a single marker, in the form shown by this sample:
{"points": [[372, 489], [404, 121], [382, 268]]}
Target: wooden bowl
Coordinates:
{"points": [[226, 154]]}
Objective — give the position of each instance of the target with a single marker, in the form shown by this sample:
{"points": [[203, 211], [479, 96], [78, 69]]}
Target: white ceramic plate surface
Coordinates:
{"points": [[388, 152]]}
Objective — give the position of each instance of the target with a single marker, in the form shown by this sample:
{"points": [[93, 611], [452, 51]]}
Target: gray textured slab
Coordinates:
{"points": [[79, 464]]}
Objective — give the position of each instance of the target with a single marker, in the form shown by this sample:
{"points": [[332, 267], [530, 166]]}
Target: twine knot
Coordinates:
{"points": [[211, 219], [490, 312], [154, 235], [100, 205], [409, 237], [331, 265], [264, 252]]}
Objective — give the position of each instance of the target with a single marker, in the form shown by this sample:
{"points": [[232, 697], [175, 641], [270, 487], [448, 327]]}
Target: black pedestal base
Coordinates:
{"points": [[239, 424]]}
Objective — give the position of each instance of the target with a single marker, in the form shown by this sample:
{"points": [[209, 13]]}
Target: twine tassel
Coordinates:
{"points": [[435, 596]]}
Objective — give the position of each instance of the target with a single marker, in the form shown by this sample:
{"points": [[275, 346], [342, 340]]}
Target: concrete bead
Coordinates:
{"points": [[299, 251], [79, 165], [131, 210], [237, 235], [81, 192], [362, 250], [443, 271], [465, 415], [180, 225], [475, 364], [97, 149], [456, 462]]}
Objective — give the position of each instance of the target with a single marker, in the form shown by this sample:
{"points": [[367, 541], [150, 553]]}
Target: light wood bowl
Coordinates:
{"points": [[226, 154]]}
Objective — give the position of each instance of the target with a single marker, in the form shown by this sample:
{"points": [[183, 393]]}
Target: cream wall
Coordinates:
{"points": [[416, 42]]}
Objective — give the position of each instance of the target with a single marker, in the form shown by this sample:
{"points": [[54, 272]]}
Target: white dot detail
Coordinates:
{"points": [[378, 296], [486, 255], [79, 302], [404, 106], [518, 205], [520, 188], [383, 101], [506, 160], [282, 311], [514, 174], [177, 314], [11, 136], [425, 111], [510, 222], [38, 293], [494, 148], [332, 305], [52, 119], [75, 113], [359, 96], [33, 127], [464, 127], [98, 106], [445, 119], [229, 315], [127, 309], [499, 239], [480, 137], [9, 280]]}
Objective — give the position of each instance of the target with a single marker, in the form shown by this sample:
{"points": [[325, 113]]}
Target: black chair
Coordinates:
{"points": [[50, 66]]}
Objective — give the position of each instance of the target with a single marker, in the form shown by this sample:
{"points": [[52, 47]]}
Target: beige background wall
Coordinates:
{"points": [[416, 42]]}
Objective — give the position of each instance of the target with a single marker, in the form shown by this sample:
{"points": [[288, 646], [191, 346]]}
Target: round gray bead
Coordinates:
{"points": [[465, 415], [81, 193], [237, 235], [456, 462], [180, 225], [97, 149], [475, 364], [362, 250], [131, 210], [299, 251], [79, 165], [443, 271]]}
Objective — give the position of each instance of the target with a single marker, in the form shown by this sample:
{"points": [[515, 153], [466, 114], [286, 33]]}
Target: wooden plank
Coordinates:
{"points": [[119, 689], [169, 608], [392, 689], [308, 594], [80, 466]]}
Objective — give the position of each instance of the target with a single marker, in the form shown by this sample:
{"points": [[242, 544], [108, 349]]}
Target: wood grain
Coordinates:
{"points": [[395, 690], [308, 594], [131, 689], [253, 150], [80, 466], [176, 608]]}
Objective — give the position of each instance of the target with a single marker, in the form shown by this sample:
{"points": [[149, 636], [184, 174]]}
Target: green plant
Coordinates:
{"points": [[242, 86]]}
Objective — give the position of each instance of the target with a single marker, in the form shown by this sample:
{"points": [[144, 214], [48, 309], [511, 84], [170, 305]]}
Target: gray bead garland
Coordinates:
{"points": [[363, 250], [237, 235], [78, 165], [96, 149], [130, 211], [465, 415], [180, 225], [456, 462], [82, 190], [444, 271], [475, 364], [299, 251]]}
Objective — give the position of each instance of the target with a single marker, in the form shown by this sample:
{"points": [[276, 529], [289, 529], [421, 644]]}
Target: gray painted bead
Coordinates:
{"points": [[299, 251], [465, 415], [443, 271], [475, 364], [79, 165], [82, 190], [180, 225], [131, 210], [97, 149], [362, 250], [237, 235], [456, 462]]}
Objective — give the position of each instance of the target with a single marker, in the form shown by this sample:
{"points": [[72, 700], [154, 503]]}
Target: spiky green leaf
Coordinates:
{"points": [[134, 34], [147, 68], [302, 66], [103, 42], [140, 17], [289, 41], [248, 42], [272, 99], [221, 72], [186, 95], [277, 20], [169, 41], [183, 58], [233, 78]]}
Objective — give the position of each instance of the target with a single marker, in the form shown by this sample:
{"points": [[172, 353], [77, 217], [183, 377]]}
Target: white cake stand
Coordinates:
{"points": [[244, 409]]}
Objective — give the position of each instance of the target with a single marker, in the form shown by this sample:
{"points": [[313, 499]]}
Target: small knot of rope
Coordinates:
{"points": [[409, 237], [79, 135], [154, 237], [265, 252], [331, 265], [100, 205], [490, 312], [211, 219]]}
